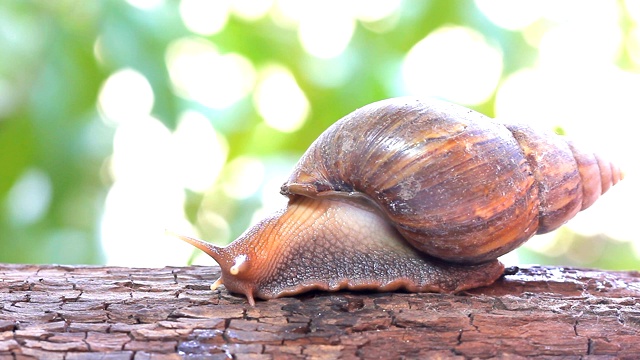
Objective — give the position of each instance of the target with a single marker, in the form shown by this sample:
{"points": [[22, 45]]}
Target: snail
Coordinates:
{"points": [[414, 194]]}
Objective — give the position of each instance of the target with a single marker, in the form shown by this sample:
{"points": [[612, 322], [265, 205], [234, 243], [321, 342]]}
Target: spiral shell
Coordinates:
{"points": [[456, 184]]}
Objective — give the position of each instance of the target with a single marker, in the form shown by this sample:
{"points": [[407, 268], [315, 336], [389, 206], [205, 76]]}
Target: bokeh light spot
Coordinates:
{"points": [[134, 222], [200, 73], [251, 10], [28, 200], [200, 152], [140, 150], [454, 63], [146, 197], [280, 101], [325, 32], [373, 10], [287, 13], [633, 9], [204, 17], [125, 96], [245, 176], [572, 45], [511, 14]]}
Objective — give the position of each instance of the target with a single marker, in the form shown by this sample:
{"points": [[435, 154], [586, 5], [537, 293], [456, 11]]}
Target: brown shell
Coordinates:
{"points": [[457, 185]]}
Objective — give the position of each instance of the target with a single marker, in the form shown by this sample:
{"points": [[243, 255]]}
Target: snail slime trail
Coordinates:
{"points": [[465, 190]]}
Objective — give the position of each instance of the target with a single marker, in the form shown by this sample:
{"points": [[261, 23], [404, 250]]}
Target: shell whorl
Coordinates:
{"points": [[457, 185], [569, 180]]}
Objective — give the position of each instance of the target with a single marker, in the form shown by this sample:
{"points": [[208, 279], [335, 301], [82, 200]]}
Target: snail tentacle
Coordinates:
{"points": [[414, 194]]}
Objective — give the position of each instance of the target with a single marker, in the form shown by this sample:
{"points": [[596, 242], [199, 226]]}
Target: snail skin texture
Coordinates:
{"points": [[413, 194]]}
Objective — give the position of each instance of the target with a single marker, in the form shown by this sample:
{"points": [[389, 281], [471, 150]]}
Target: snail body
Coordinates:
{"points": [[412, 194]]}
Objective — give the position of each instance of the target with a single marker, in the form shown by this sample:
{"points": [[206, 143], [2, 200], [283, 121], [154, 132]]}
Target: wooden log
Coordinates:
{"points": [[89, 312]]}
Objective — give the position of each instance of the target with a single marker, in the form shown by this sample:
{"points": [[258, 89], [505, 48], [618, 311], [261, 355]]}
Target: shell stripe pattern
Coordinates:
{"points": [[460, 186]]}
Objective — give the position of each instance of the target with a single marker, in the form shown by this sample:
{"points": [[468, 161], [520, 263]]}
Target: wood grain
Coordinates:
{"points": [[85, 312]]}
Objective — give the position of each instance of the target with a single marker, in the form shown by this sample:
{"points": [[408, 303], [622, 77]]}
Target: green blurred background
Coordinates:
{"points": [[119, 119]]}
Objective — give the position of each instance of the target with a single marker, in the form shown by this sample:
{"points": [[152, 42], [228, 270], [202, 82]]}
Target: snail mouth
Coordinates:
{"points": [[238, 286]]}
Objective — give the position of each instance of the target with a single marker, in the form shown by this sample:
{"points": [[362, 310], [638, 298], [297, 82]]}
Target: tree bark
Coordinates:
{"points": [[85, 312]]}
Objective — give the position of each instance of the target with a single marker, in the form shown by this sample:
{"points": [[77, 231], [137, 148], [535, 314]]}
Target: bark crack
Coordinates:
{"points": [[555, 312]]}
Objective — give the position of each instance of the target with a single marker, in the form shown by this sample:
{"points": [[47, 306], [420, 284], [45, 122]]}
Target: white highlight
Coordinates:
{"points": [[199, 152], [237, 267], [512, 14], [455, 63], [144, 200], [204, 17], [325, 32], [125, 96], [199, 72], [280, 101]]}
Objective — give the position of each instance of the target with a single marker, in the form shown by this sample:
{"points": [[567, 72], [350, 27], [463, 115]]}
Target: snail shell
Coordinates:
{"points": [[460, 188]]}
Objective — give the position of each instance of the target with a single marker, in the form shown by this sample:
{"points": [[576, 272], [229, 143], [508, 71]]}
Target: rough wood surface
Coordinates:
{"points": [[80, 312]]}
